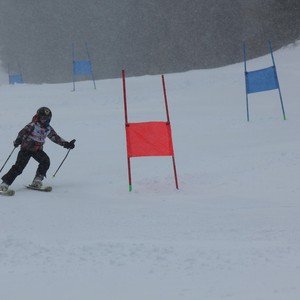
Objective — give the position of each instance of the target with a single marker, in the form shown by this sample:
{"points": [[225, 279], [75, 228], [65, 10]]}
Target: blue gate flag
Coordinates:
{"points": [[261, 80], [82, 67], [16, 78]]}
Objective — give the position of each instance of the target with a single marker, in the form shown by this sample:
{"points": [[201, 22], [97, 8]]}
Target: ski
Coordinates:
{"points": [[42, 189], [7, 193]]}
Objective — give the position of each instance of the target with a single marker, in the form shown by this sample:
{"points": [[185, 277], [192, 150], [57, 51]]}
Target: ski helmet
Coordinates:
{"points": [[44, 112]]}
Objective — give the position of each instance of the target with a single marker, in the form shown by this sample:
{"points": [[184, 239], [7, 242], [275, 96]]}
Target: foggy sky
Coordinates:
{"points": [[142, 36]]}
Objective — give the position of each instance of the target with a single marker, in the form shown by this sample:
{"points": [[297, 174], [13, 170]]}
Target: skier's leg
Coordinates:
{"points": [[17, 169], [44, 163]]}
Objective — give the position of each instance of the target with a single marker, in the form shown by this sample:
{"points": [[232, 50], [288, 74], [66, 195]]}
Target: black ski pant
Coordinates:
{"points": [[22, 160]]}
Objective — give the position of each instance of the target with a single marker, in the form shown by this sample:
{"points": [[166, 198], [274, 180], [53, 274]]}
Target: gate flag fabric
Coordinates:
{"points": [[82, 67], [148, 138], [15, 77], [262, 80]]}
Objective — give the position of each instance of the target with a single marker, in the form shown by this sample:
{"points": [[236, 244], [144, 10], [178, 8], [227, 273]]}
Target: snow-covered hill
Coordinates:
{"points": [[231, 231]]}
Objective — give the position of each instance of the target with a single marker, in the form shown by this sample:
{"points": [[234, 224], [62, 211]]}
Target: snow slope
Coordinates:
{"points": [[231, 231]]}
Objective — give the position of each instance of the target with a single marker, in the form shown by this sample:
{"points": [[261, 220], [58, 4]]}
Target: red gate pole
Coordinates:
{"points": [[175, 173], [126, 125], [124, 94], [168, 123], [165, 96]]}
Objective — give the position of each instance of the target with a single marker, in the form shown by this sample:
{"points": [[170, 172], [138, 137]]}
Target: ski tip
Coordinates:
{"points": [[8, 193], [11, 192], [48, 188]]}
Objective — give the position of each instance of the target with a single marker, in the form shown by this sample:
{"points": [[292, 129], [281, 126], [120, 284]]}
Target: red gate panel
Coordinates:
{"points": [[149, 139]]}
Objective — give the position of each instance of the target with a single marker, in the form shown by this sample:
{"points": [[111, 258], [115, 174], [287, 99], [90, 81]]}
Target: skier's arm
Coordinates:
{"points": [[23, 133], [54, 137]]}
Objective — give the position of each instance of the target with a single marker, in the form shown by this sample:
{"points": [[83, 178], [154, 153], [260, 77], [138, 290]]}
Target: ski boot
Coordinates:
{"points": [[37, 182]]}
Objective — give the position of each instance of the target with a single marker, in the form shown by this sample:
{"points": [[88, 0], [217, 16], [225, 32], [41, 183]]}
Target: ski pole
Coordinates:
{"points": [[73, 141], [8, 158], [61, 162]]}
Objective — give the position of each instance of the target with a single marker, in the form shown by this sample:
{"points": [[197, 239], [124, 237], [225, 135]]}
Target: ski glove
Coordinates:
{"points": [[18, 142], [69, 145]]}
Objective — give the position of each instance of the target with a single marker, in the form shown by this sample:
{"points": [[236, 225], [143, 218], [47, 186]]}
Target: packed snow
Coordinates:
{"points": [[231, 231]]}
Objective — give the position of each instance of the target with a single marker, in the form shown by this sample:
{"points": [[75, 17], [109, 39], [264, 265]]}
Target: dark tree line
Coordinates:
{"points": [[144, 37]]}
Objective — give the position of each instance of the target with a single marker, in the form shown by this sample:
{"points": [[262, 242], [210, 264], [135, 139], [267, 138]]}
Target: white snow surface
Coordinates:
{"points": [[231, 231]]}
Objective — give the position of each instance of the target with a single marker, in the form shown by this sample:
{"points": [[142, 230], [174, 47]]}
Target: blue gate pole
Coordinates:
{"points": [[275, 71], [73, 66], [20, 72], [247, 102], [88, 54], [8, 71]]}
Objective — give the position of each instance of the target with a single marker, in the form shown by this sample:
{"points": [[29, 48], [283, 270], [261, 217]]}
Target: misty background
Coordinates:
{"points": [[141, 36]]}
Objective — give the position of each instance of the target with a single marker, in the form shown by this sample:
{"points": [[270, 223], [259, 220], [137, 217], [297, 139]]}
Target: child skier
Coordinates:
{"points": [[32, 138]]}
